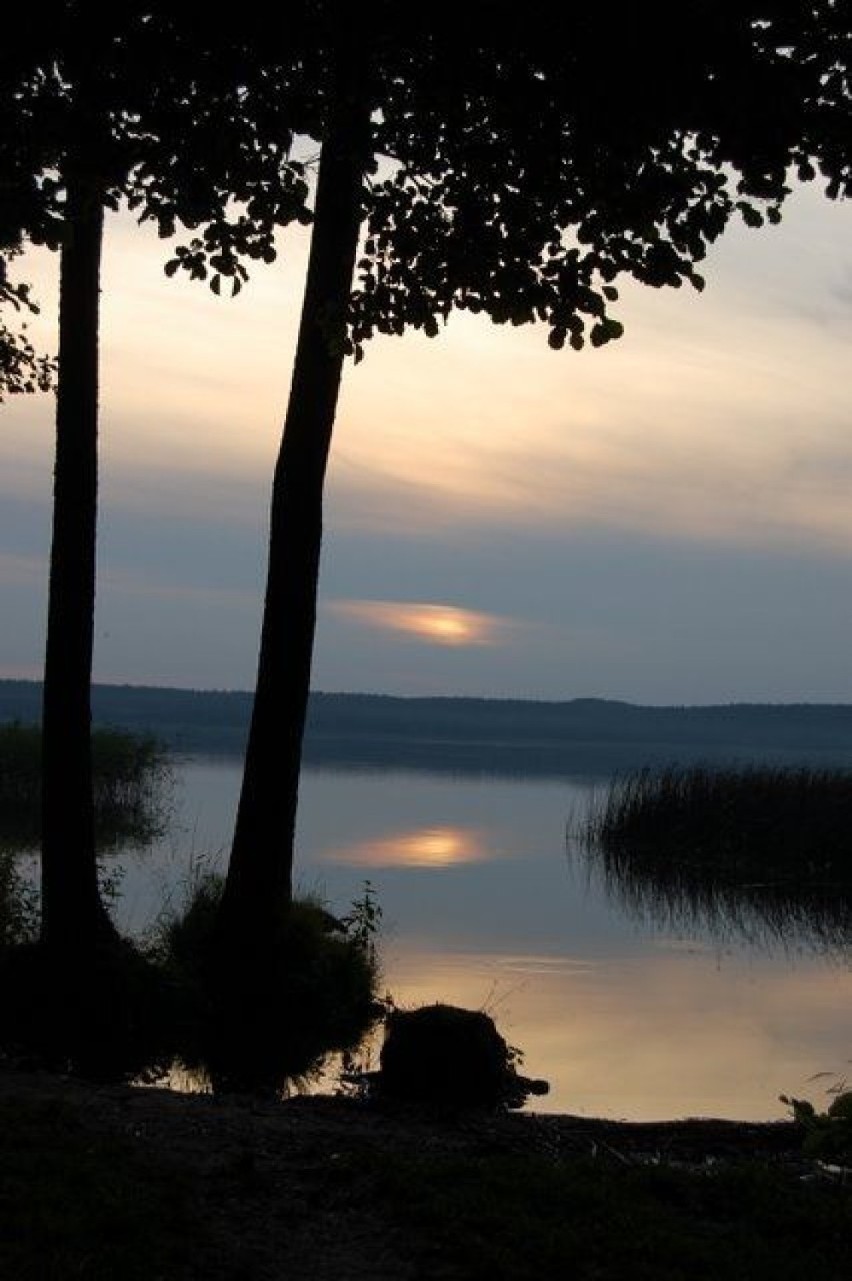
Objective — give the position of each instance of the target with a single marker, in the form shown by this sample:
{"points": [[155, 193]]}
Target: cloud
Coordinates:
{"points": [[435, 624]]}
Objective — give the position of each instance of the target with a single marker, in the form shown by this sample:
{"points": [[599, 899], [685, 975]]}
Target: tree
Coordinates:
{"points": [[514, 163], [105, 109], [22, 369]]}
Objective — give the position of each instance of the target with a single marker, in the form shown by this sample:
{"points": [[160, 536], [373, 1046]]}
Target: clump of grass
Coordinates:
{"points": [[309, 989], [106, 1011], [827, 1134], [762, 853], [130, 772], [103, 1009]]}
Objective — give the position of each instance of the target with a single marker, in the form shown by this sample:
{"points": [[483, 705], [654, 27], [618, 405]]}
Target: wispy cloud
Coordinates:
{"points": [[436, 624]]}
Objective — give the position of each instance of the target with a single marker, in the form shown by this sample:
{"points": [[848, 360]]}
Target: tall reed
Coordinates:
{"points": [[759, 853], [129, 774], [789, 821]]}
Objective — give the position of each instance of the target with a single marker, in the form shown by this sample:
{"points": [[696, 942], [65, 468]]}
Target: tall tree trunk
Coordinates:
{"points": [[73, 916], [259, 880]]}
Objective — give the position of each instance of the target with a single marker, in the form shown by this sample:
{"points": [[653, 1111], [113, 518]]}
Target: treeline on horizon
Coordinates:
{"points": [[512, 736]]}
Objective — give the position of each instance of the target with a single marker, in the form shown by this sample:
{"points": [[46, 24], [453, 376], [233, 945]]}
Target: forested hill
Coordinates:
{"points": [[582, 736]]}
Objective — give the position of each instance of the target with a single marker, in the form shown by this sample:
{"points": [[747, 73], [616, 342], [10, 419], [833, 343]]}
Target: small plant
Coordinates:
{"points": [[828, 1133], [363, 921]]}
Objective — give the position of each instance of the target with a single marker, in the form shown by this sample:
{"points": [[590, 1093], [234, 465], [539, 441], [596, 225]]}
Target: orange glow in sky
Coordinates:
{"points": [[434, 847], [646, 521], [440, 624]]}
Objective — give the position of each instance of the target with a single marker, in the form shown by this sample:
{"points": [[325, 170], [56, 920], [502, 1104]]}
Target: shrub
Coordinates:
{"points": [[825, 1134], [309, 988], [107, 1012]]}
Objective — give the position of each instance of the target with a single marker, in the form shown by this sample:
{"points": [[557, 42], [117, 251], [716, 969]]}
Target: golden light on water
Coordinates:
{"points": [[647, 1037], [434, 847], [440, 624]]}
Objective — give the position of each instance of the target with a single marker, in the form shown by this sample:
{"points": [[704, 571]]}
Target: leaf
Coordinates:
{"points": [[216, 284], [171, 266], [556, 337], [750, 215]]}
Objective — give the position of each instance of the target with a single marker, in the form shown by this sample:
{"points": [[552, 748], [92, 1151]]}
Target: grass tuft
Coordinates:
{"points": [[309, 989]]}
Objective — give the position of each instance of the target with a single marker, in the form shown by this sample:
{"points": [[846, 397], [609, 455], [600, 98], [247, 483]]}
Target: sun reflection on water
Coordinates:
{"points": [[421, 847]]}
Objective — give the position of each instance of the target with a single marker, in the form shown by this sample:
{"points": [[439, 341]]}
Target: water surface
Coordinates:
{"points": [[485, 907]]}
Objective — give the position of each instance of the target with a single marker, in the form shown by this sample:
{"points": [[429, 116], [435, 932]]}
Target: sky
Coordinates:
{"points": [[665, 520]]}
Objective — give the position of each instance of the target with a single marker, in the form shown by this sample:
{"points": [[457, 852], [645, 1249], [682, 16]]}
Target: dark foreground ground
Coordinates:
{"points": [[140, 1185]]}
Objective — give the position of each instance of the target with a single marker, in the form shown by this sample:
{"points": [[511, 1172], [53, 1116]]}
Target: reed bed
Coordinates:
{"points": [[788, 821], [130, 772], [759, 853]]}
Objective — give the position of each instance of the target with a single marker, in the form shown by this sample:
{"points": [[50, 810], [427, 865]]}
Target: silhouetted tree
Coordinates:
{"points": [[514, 161], [104, 109], [22, 368]]}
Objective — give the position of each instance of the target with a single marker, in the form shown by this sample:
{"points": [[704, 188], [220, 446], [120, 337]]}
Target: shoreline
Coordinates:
{"points": [[324, 1117]]}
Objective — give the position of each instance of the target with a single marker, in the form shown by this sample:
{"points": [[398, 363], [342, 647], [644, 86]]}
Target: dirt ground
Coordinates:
{"points": [[280, 1180]]}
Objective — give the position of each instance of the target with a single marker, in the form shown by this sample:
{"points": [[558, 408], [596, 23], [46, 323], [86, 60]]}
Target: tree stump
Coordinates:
{"points": [[446, 1056]]}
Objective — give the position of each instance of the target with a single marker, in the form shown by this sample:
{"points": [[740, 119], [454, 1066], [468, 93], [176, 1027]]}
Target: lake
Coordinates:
{"points": [[487, 905]]}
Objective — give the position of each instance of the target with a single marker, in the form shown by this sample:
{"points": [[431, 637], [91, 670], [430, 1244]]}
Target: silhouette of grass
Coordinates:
{"points": [[796, 822], [762, 853], [130, 772], [309, 988]]}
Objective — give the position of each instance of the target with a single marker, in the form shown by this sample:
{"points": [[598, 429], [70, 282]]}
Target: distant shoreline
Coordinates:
{"points": [[591, 737]]}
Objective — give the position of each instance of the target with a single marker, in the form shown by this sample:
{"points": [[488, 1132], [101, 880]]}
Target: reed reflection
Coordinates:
{"points": [[681, 895], [434, 847]]}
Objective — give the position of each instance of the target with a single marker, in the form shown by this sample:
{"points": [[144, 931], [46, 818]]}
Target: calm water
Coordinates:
{"points": [[484, 907]]}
